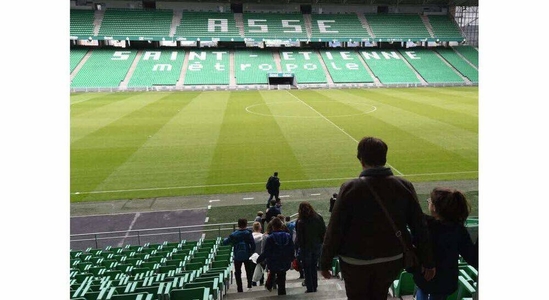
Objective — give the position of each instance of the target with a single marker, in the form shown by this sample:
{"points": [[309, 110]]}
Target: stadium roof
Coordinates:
{"points": [[363, 2]]}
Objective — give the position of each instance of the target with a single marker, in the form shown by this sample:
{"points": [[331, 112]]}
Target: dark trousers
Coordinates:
{"points": [[280, 282], [238, 273], [370, 282], [272, 194], [309, 259]]}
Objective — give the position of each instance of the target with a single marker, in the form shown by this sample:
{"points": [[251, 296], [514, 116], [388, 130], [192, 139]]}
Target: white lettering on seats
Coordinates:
{"points": [[174, 55], [162, 67], [121, 55], [196, 66], [154, 55], [219, 55], [244, 66], [262, 27], [193, 55], [393, 54], [288, 56], [412, 55], [368, 55], [297, 27], [306, 55], [309, 67], [323, 28], [265, 67], [346, 55], [222, 24], [291, 67]]}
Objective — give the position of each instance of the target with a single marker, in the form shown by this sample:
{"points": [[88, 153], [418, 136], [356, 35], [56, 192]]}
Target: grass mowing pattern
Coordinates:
{"points": [[155, 144]]}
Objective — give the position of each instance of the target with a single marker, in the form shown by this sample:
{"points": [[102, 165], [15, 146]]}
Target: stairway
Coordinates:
{"points": [[333, 289]]}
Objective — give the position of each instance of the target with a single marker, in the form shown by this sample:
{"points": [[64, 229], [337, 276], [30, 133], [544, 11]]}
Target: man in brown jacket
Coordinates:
{"points": [[360, 234]]}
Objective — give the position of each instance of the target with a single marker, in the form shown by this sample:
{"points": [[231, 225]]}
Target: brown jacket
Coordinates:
{"points": [[359, 229]]}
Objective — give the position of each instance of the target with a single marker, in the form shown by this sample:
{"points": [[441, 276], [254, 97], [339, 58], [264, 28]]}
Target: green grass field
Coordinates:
{"points": [[156, 144]]}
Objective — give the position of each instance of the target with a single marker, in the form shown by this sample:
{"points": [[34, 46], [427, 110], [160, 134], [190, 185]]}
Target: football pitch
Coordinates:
{"points": [[159, 144]]}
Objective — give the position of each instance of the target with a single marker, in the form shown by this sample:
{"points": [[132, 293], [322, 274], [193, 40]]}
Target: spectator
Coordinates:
{"points": [[259, 216], [359, 233], [310, 228], [449, 210], [278, 253], [273, 188], [258, 239], [243, 244], [332, 201], [272, 212]]}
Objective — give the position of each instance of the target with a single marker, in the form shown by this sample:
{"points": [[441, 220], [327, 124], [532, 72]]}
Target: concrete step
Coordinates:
{"points": [[333, 289]]}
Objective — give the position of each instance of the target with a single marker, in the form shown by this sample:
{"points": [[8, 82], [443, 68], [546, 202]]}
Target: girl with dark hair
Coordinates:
{"points": [[449, 210], [310, 229]]}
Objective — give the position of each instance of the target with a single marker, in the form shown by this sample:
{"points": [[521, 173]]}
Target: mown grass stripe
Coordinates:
{"points": [[95, 157]]}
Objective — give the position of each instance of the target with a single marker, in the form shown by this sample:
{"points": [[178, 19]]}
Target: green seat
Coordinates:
{"points": [[465, 288], [200, 293], [404, 285], [212, 284], [133, 296]]}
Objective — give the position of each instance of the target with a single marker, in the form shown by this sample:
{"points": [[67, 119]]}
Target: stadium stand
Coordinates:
{"points": [[160, 67], [470, 53], [76, 56], [306, 66], [444, 28], [207, 26], [208, 67], [93, 72], [398, 27], [343, 26], [81, 22], [136, 22], [389, 67], [252, 66], [274, 26], [345, 66], [459, 64], [430, 66]]}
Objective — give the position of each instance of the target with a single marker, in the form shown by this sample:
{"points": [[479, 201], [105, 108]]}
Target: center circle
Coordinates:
{"points": [[262, 109]]}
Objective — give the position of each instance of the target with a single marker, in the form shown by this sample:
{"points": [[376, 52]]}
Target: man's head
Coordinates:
{"points": [[242, 223], [275, 174], [334, 195], [273, 202], [276, 224], [372, 152]]}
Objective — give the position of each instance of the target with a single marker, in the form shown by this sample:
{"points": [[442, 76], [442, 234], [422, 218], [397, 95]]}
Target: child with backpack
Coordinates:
{"points": [[449, 210], [278, 252], [243, 244]]}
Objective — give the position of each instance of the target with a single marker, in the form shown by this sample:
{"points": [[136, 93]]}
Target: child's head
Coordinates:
{"points": [[449, 205], [259, 213], [257, 227]]}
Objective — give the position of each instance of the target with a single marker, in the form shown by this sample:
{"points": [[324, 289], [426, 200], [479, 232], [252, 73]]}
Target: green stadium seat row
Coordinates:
{"points": [[119, 21], [212, 67], [151, 279]]}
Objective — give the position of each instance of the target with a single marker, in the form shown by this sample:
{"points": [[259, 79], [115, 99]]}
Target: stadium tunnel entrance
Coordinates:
{"points": [[287, 79]]}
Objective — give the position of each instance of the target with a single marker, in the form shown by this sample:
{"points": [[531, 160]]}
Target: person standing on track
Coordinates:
{"points": [[273, 187]]}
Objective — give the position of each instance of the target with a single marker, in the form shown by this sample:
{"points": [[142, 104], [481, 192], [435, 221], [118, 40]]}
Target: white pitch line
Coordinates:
{"points": [[214, 200], [206, 220], [284, 196], [255, 183], [315, 194], [209, 207], [340, 129], [129, 229], [251, 198]]}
